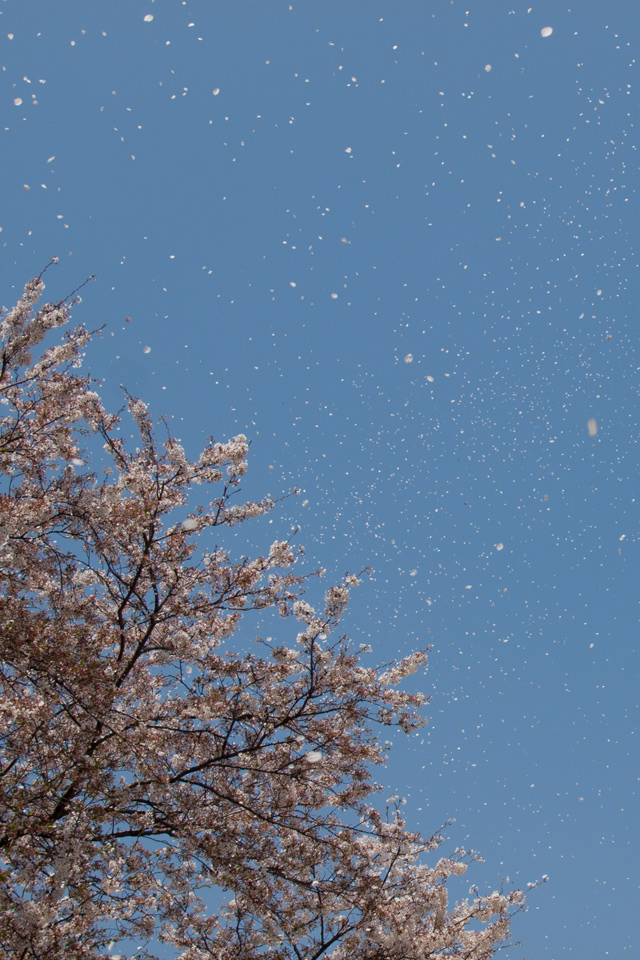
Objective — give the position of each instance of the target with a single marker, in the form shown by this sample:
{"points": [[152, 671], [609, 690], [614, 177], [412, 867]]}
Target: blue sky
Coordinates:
{"points": [[395, 244]]}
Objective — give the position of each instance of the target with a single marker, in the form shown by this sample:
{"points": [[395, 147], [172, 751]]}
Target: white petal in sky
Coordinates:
{"points": [[148, 17], [408, 358], [592, 426], [546, 31]]}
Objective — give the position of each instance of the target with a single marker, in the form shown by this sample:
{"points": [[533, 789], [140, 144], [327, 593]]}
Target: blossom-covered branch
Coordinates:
{"points": [[148, 756]]}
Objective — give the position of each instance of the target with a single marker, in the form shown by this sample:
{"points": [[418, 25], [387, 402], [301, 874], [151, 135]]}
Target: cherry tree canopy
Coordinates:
{"points": [[162, 783]]}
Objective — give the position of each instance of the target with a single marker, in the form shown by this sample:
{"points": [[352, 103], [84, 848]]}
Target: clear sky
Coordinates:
{"points": [[395, 243]]}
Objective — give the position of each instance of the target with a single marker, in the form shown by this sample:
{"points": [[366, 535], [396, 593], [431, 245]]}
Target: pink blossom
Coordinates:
{"points": [[146, 757]]}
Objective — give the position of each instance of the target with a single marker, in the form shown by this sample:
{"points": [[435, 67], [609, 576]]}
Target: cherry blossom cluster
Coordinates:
{"points": [[166, 779]]}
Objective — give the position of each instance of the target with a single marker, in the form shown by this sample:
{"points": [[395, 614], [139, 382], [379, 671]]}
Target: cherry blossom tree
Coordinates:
{"points": [[165, 781]]}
